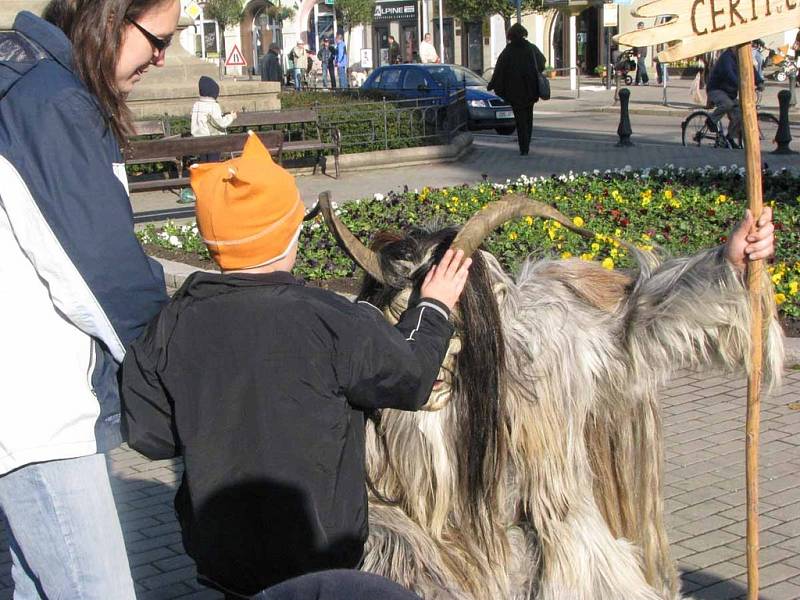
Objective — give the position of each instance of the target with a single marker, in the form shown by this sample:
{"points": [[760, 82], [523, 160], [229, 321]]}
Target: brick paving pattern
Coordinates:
{"points": [[704, 490]]}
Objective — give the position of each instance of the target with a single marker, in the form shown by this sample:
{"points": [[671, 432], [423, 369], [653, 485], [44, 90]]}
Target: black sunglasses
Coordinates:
{"points": [[158, 43]]}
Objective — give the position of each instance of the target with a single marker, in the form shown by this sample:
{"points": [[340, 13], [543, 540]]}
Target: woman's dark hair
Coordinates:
{"points": [[516, 32], [95, 28]]}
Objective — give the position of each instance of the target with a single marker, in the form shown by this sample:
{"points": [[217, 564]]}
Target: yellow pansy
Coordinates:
{"points": [[608, 263], [513, 235], [793, 285], [668, 194], [586, 256], [595, 247], [780, 299], [578, 222], [529, 220], [566, 255]]}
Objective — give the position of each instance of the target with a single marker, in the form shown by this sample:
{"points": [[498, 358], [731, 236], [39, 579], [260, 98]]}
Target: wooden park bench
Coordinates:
{"points": [[309, 118], [155, 129], [182, 147]]}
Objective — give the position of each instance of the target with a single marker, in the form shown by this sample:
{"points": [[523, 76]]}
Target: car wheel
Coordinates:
{"points": [[628, 80], [505, 130]]}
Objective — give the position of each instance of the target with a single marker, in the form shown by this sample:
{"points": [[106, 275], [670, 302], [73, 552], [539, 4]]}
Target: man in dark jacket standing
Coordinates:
{"points": [[516, 80], [641, 61], [270, 65], [262, 385]]}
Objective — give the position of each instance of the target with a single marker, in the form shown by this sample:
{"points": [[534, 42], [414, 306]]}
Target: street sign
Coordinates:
{"points": [[193, 10], [703, 25], [235, 58]]}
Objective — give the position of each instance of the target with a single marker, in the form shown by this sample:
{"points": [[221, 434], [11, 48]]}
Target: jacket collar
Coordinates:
{"points": [[47, 36], [203, 284]]}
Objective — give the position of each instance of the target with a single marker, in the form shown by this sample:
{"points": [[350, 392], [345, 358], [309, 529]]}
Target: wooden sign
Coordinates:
{"points": [[703, 25]]}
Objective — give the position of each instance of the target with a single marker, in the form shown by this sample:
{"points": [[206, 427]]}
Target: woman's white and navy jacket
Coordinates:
{"points": [[77, 287]]}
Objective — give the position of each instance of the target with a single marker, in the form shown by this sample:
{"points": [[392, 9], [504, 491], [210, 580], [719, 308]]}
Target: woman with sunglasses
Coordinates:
{"points": [[78, 287]]}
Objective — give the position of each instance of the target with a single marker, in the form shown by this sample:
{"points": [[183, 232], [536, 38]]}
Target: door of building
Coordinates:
{"points": [[380, 44], [473, 49], [409, 44], [449, 40]]}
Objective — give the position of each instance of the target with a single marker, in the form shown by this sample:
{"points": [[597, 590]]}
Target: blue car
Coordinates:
{"points": [[415, 81]]}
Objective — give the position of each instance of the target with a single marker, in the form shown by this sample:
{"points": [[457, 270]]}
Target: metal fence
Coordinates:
{"points": [[386, 124]]}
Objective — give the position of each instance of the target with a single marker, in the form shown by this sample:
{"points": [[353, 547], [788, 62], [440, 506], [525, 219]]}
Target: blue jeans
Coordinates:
{"points": [[342, 74], [298, 82], [66, 541]]}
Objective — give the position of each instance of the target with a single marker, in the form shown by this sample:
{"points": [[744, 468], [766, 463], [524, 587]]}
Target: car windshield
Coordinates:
{"points": [[454, 75]]}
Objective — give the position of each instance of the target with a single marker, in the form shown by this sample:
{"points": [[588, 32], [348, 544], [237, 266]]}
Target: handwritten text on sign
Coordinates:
{"points": [[704, 25]]}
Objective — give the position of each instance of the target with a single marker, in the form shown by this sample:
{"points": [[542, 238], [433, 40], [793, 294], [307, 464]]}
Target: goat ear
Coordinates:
{"points": [[500, 291]]}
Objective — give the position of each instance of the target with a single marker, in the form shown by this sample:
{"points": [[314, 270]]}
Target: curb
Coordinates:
{"points": [[175, 274], [400, 157]]}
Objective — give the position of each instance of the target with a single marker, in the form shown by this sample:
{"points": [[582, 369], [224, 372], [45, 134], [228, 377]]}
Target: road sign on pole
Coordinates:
{"points": [[235, 58]]}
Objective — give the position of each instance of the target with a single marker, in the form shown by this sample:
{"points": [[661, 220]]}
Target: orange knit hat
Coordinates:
{"points": [[249, 210]]}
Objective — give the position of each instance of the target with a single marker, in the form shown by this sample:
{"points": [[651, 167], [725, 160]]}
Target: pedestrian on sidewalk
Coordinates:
{"points": [[262, 384], [516, 80], [427, 52], [641, 61], [394, 51], [79, 287], [326, 58], [270, 65], [341, 61], [299, 61]]}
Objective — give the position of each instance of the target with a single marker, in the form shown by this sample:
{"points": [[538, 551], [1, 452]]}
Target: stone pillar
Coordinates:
{"points": [[10, 8]]}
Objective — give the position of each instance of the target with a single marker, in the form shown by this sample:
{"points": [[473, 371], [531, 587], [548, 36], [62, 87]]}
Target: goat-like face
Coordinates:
{"points": [[443, 387]]}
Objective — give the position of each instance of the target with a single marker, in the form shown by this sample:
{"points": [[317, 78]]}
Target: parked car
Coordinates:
{"points": [[415, 81]]}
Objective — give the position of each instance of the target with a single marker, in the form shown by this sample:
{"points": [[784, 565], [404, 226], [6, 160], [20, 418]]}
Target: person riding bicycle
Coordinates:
{"points": [[723, 89]]}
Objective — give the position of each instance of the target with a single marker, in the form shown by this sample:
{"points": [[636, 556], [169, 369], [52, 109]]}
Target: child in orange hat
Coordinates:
{"points": [[261, 384]]}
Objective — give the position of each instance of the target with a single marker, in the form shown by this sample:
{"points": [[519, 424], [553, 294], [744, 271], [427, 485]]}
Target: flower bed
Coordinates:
{"points": [[678, 210]]}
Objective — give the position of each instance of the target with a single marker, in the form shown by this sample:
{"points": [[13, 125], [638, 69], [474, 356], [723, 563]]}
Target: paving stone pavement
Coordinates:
{"points": [[704, 490]]}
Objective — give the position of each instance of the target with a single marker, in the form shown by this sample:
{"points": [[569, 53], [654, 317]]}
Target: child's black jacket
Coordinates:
{"points": [[261, 383]]}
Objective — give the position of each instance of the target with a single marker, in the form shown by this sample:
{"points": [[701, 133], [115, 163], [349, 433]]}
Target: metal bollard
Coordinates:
{"points": [[784, 136], [792, 86], [624, 130]]}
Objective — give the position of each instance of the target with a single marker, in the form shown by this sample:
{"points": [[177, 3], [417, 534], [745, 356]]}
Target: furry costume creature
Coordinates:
{"points": [[535, 469]]}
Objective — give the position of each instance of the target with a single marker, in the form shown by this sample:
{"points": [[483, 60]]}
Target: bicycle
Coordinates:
{"points": [[698, 129]]}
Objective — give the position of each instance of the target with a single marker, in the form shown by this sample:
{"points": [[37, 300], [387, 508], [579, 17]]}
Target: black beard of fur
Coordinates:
{"points": [[479, 367]]}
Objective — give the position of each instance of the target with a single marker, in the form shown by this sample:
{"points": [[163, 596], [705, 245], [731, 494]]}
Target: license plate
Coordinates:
{"points": [[505, 114]]}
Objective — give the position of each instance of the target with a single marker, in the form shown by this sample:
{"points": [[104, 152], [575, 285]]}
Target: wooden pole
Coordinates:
{"points": [[754, 275]]}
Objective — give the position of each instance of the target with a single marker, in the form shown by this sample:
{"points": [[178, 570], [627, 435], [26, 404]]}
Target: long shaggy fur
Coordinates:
{"points": [[541, 477]]}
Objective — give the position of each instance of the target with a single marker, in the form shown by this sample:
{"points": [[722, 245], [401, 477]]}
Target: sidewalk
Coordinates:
{"points": [[704, 490], [647, 99]]}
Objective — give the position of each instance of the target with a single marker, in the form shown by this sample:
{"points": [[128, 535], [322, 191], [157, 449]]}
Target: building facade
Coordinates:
{"points": [[575, 35]]}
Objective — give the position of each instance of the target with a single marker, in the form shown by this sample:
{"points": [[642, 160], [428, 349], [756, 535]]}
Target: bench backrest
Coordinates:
{"points": [[158, 127], [191, 146], [275, 117]]}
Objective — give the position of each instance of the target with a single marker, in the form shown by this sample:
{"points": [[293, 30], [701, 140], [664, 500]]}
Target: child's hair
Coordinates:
{"points": [[208, 87], [95, 28]]}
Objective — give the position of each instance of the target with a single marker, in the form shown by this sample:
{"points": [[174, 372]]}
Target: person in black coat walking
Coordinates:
{"points": [[270, 65], [516, 80]]}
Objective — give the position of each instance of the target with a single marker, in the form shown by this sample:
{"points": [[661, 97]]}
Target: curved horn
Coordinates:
{"points": [[495, 214], [364, 257]]}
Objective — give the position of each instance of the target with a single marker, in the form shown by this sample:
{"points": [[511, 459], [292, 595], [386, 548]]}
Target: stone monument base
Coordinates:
{"points": [[177, 99]]}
